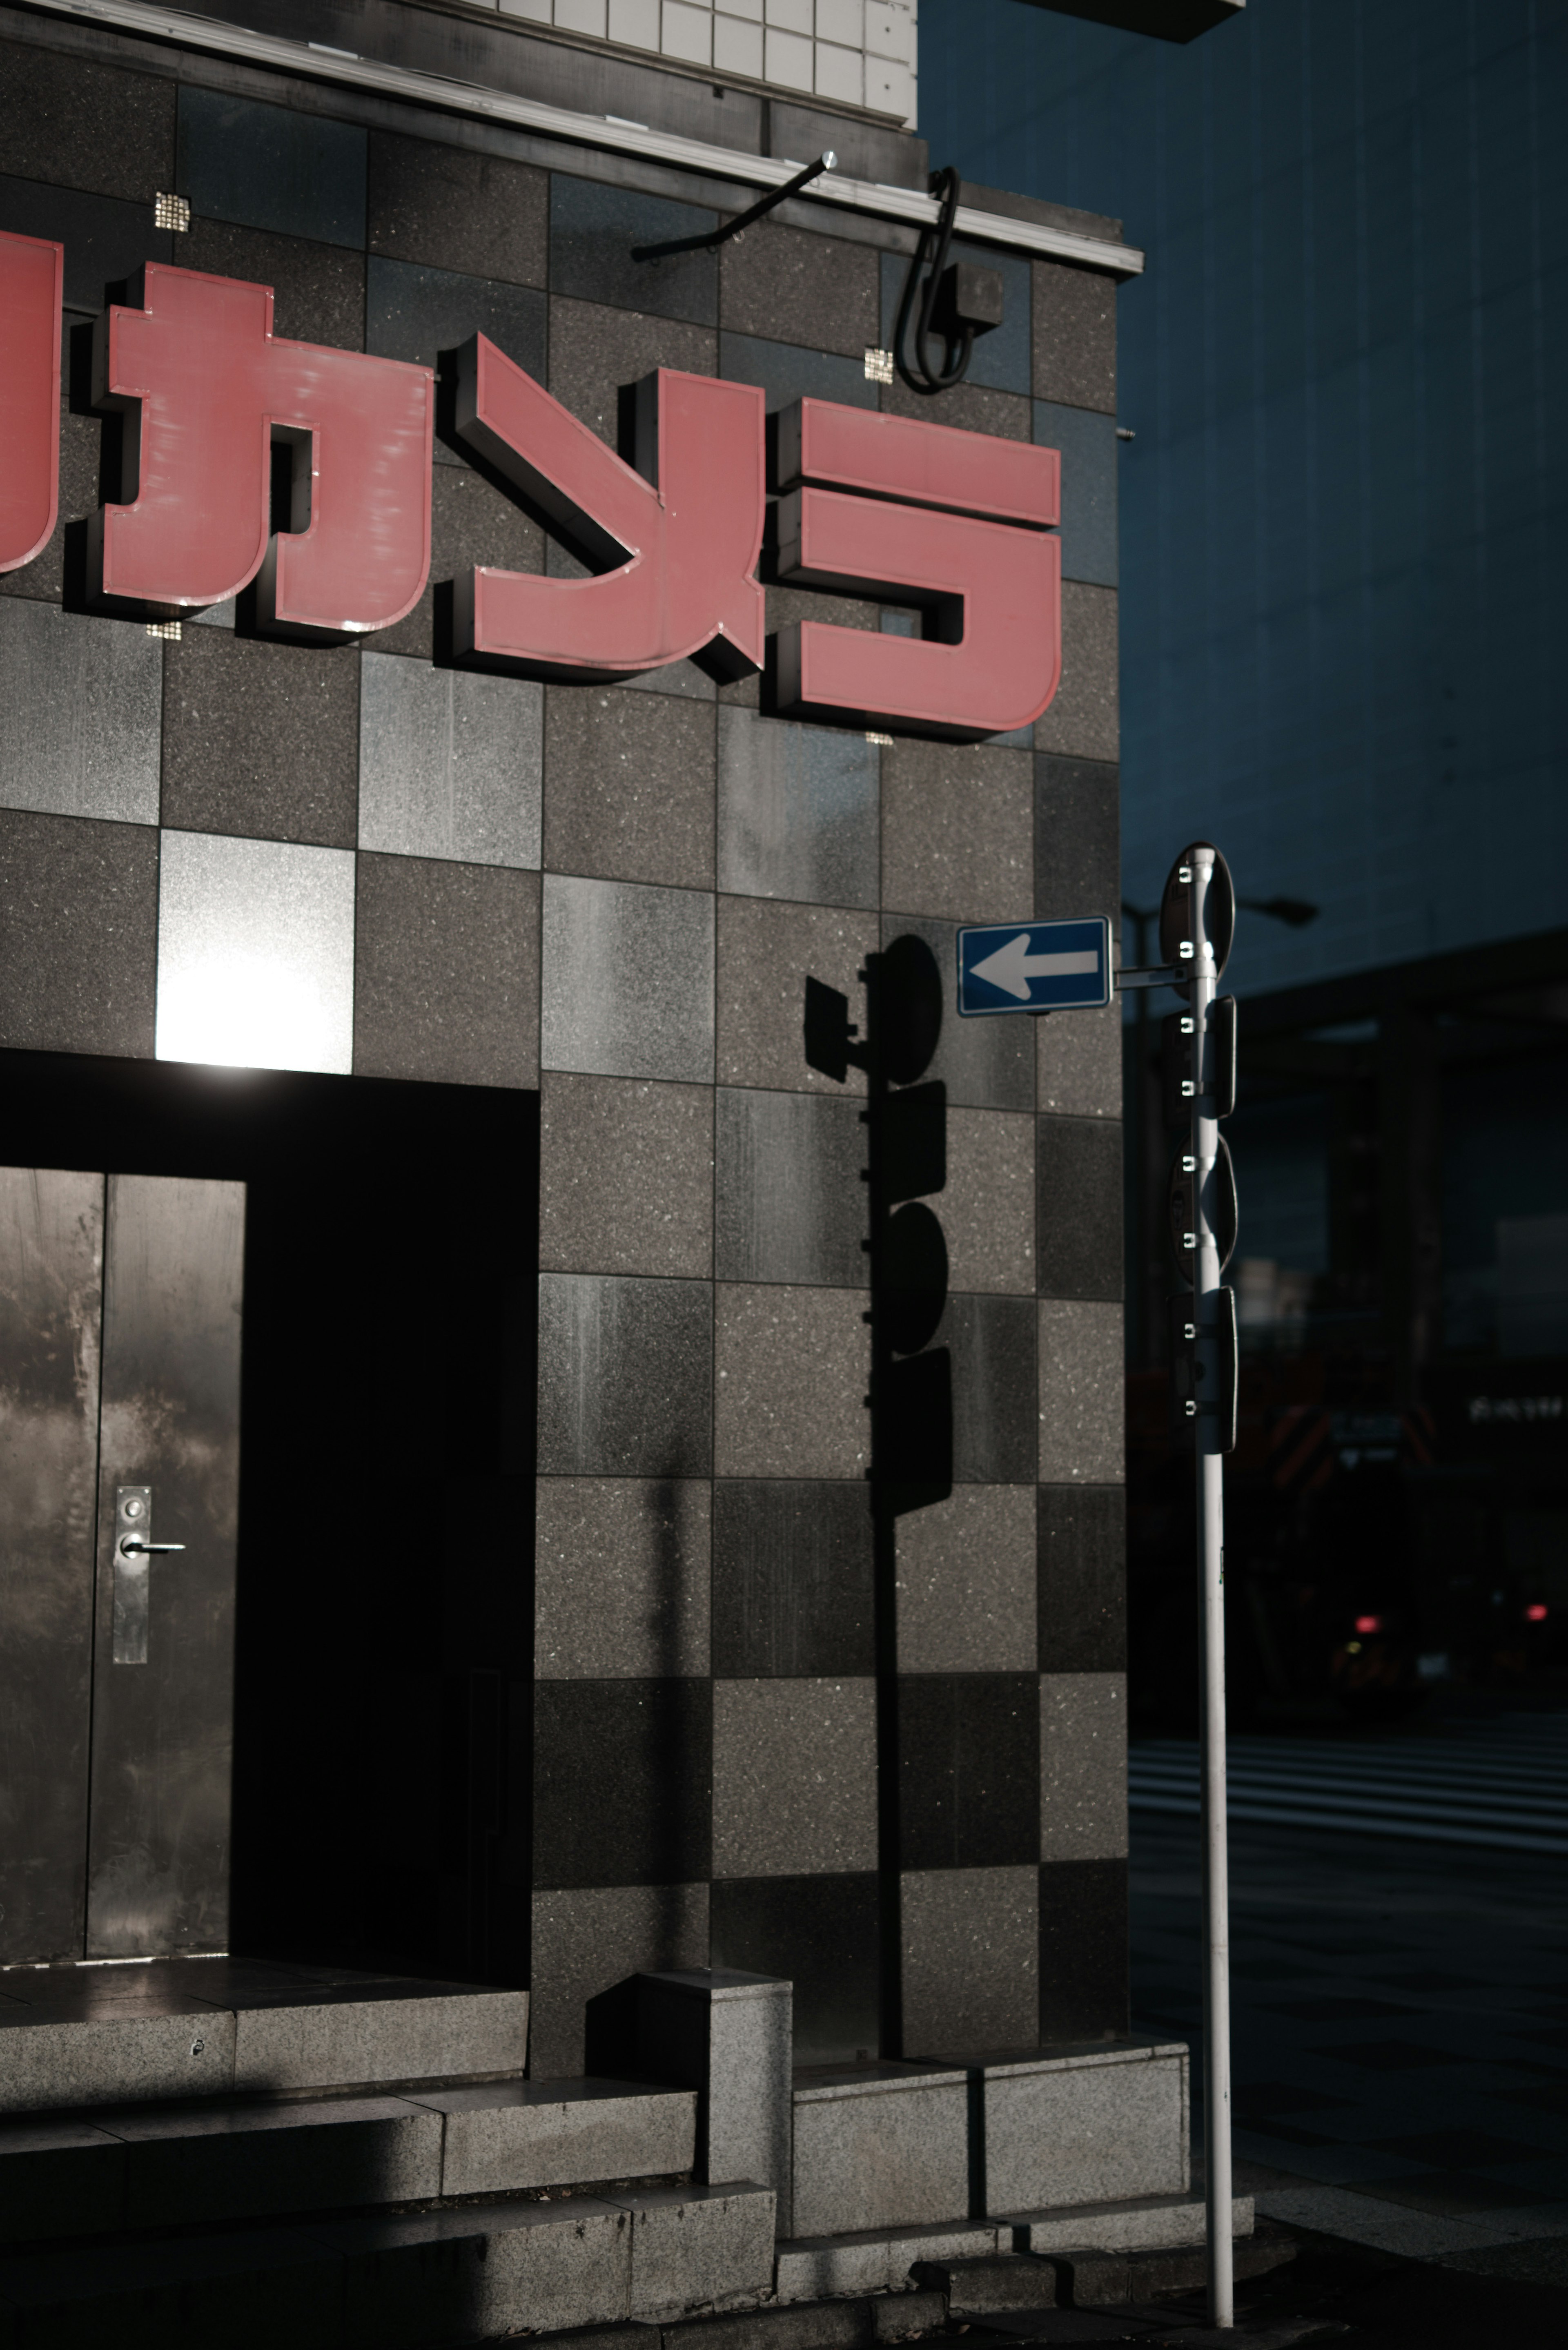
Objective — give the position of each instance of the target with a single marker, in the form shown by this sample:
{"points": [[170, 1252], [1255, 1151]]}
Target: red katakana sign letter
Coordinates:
{"points": [[954, 522], [207, 389], [675, 542], [30, 278]]}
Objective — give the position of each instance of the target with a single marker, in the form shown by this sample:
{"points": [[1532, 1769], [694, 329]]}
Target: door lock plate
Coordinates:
{"points": [[132, 1575]]}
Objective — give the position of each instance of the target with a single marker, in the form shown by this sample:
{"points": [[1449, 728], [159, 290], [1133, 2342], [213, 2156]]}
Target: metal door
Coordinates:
{"points": [[119, 1362]]}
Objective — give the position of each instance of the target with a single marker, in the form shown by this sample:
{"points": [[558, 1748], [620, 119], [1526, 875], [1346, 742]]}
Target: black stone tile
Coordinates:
{"points": [[993, 1345], [821, 1933], [1077, 838], [81, 124], [269, 167], [999, 360], [1082, 1560], [622, 1781], [627, 979], [968, 407], [261, 739], [593, 228], [790, 371], [43, 580], [1082, 721], [775, 280], [81, 935], [595, 351], [984, 1064], [626, 1376], [457, 210], [798, 811], [472, 523], [1088, 445], [82, 698], [106, 239], [629, 786], [415, 312], [446, 961], [625, 1177], [969, 1772], [1075, 335], [318, 290], [792, 1579], [790, 1203], [1083, 1950], [1078, 1179]]}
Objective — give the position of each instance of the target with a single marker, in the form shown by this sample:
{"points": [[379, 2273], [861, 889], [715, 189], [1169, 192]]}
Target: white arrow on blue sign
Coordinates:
{"points": [[1035, 967]]}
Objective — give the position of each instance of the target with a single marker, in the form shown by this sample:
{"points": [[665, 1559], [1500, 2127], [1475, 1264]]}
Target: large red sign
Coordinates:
{"points": [[958, 525]]}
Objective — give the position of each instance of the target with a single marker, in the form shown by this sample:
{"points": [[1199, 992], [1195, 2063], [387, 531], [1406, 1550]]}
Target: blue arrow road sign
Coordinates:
{"points": [[1035, 967]]}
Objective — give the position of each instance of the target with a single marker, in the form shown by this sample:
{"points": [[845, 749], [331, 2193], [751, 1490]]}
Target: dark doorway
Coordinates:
{"points": [[384, 1657]]}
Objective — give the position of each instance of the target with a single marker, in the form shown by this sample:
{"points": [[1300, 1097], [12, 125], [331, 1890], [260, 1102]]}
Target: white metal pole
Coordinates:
{"points": [[1212, 1606]]}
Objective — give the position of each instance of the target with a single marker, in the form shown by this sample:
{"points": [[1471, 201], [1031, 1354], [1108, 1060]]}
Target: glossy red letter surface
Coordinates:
{"points": [[209, 387], [676, 551], [954, 522], [30, 276]]}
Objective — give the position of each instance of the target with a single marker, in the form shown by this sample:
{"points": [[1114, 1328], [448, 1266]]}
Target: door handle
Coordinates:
{"points": [[134, 1548]]}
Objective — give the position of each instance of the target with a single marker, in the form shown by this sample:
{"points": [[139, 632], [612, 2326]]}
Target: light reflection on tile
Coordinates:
{"points": [[448, 763], [256, 953], [798, 811], [627, 979]]}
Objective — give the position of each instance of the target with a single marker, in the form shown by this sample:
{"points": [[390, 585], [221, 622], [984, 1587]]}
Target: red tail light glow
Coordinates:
{"points": [[1370, 1623], [1536, 1613]]}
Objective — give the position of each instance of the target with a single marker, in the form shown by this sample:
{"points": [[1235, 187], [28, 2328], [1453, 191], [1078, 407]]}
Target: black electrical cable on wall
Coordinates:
{"points": [[923, 376]]}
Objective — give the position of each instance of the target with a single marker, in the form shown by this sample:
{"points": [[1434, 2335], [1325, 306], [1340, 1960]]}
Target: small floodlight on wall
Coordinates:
{"points": [[171, 211]]}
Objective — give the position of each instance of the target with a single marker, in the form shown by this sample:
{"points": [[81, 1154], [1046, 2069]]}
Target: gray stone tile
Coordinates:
{"points": [[628, 987], [113, 130], [1079, 1171], [699, 2248], [318, 290], [450, 763], [1083, 1376], [790, 1366], [767, 951], [987, 1210], [1082, 1532], [261, 739], [872, 2261], [270, 167], [1074, 336], [769, 274], [958, 831], [629, 785], [472, 523], [621, 1581], [456, 210], [626, 1177], [134, 2056], [790, 1202], [507, 2134], [256, 953], [798, 808], [1097, 2127], [1082, 1766], [106, 240], [595, 351], [966, 1580], [79, 969], [311, 2044], [967, 407], [1089, 447], [792, 371], [593, 228], [984, 1064], [971, 1957], [446, 961], [626, 1373], [1077, 839], [794, 1777], [792, 1579], [587, 1939], [726, 2033], [83, 699], [415, 312], [1082, 721], [1078, 1062], [998, 360], [992, 1343], [883, 2148]]}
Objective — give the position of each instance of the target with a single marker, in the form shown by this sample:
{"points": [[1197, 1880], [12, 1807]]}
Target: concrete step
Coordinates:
{"points": [[90, 2036], [403, 2282], [119, 2169], [1005, 2282], [1148, 2224], [872, 2260]]}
